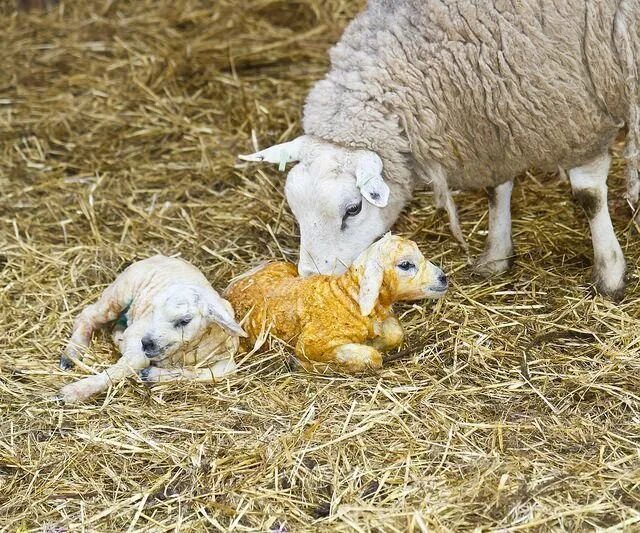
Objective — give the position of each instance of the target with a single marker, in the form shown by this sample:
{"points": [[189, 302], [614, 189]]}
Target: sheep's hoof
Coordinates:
{"points": [[487, 266], [613, 292], [66, 363], [609, 277]]}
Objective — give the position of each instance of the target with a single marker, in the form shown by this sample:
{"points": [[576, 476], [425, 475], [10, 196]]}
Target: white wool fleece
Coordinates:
{"points": [[464, 94]]}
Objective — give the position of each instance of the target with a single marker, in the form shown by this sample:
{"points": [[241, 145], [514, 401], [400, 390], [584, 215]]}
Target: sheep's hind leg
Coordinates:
{"points": [[105, 310], [498, 251], [589, 184]]}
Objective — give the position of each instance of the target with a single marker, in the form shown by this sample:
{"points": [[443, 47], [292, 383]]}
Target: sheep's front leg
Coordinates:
{"points": [[105, 310], [589, 184], [127, 365], [391, 335], [498, 252], [217, 371]]}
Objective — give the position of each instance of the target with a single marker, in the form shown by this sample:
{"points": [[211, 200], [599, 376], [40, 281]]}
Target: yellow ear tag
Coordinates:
{"points": [[284, 157]]}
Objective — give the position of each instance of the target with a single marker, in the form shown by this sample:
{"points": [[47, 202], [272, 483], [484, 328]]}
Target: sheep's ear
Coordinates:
{"points": [[370, 284], [218, 310], [279, 153], [369, 179]]}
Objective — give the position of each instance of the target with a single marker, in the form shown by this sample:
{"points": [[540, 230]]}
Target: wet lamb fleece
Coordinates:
{"points": [[341, 322]]}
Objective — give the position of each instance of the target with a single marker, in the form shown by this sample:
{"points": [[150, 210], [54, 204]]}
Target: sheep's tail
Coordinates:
{"points": [[632, 155], [444, 200], [623, 25]]}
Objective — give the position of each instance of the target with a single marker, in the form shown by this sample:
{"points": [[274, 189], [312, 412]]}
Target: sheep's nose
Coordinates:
{"points": [[305, 271], [148, 345], [442, 279]]}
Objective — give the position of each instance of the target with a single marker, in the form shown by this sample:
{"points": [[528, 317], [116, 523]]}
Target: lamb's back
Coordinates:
{"points": [[267, 298]]}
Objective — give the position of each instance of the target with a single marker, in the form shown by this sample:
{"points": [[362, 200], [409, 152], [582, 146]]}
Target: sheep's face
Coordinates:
{"points": [[180, 317], [338, 197], [335, 218]]}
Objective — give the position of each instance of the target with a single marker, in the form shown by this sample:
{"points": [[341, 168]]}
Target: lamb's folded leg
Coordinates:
{"points": [[498, 252], [215, 372], [105, 310], [391, 335], [589, 184], [132, 361], [320, 349], [355, 358], [117, 335]]}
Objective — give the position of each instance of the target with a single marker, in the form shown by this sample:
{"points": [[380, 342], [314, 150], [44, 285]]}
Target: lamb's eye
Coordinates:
{"points": [[183, 322], [353, 210], [406, 266]]}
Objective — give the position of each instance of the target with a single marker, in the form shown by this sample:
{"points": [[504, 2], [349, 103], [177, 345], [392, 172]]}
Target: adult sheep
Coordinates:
{"points": [[465, 94]]}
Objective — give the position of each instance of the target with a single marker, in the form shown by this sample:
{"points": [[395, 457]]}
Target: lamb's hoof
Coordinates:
{"points": [[68, 395], [486, 266], [59, 399], [145, 375], [293, 364], [66, 363]]}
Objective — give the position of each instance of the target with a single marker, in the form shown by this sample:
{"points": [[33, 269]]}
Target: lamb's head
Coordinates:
{"points": [[181, 315], [339, 198], [394, 269]]}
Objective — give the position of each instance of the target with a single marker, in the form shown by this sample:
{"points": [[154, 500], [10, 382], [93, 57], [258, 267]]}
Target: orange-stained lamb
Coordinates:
{"points": [[346, 321]]}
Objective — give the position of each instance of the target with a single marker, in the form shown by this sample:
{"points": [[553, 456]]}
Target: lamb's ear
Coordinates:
{"points": [[218, 310], [369, 179], [370, 284], [279, 153]]}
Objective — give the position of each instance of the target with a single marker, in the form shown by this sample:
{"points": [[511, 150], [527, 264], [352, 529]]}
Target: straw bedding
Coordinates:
{"points": [[518, 406]]}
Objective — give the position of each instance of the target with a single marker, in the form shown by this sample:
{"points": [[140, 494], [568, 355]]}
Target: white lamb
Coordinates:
{"points": [[166, 318], [465, 94]]}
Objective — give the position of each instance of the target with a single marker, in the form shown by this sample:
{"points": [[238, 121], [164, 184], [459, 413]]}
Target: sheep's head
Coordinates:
{"points": [[181, 315], [338, 197]]}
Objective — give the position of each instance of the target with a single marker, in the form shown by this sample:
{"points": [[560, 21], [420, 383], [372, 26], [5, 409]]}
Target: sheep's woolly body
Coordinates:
{"points": [[627, 21], [473, 93]]}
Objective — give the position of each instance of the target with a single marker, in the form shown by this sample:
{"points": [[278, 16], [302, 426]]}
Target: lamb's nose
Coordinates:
{"points": [[148, 344], [442, 278]]}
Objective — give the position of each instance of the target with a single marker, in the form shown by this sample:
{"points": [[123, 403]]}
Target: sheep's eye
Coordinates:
{"points": [[353, 210], [183, 322], [406, 266]]}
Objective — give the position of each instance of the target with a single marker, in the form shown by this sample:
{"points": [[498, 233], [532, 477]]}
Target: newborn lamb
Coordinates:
{"points": [[166, 316], [342, 322]]}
